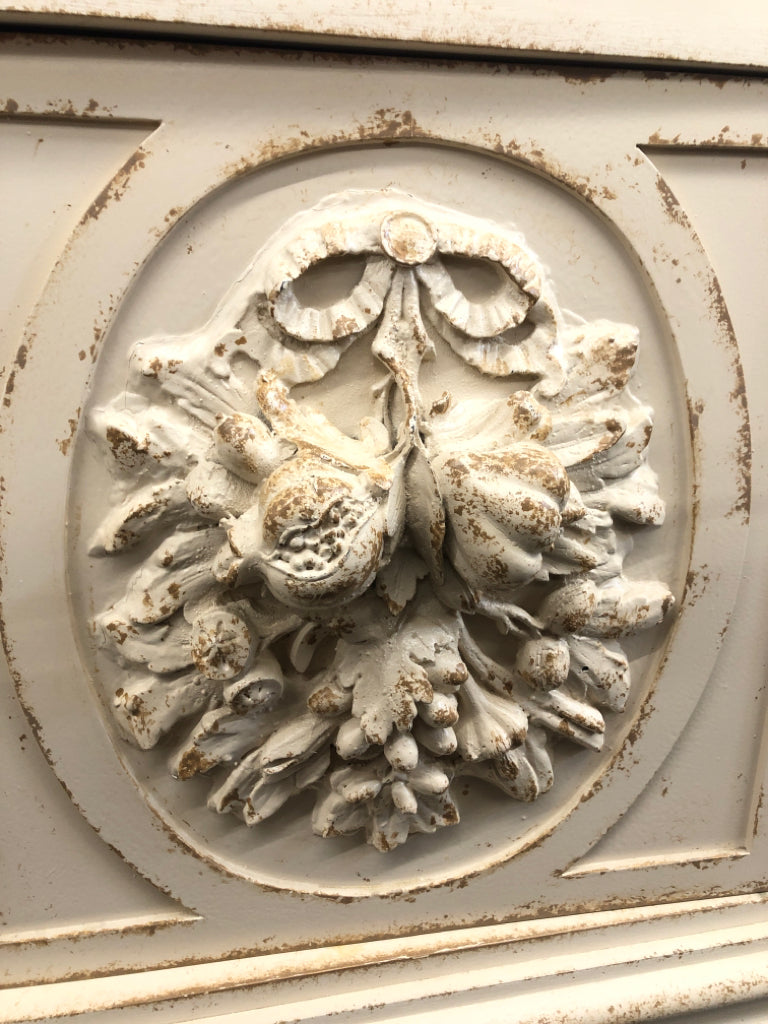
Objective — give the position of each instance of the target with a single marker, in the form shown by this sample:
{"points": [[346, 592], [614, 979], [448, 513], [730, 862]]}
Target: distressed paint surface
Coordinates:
{"points": [[651, 31], [368, 559], [474, 897]]}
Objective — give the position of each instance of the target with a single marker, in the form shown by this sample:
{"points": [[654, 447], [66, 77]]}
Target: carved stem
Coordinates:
{"points": [[401, 343]]}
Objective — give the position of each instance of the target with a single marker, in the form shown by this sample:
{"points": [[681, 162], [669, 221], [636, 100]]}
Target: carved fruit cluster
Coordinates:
{"points": [[304, 616]]}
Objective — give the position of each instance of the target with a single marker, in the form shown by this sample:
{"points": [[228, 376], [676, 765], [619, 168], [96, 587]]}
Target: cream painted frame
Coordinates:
{"points": [[677, 935]]}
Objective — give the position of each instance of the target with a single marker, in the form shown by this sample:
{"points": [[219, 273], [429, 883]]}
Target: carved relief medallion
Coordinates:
{"points": [[371, 615]]}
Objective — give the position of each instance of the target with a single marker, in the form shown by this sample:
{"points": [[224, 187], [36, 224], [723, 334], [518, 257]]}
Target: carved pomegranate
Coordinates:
{"points": [[504, 508], [316, 534]]}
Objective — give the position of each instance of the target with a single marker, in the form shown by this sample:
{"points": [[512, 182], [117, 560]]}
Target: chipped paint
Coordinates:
{"points": [[116, 189], [65, 442], [241, 970], [671, 204], [742, 506], [19, 362], [469, 882]]}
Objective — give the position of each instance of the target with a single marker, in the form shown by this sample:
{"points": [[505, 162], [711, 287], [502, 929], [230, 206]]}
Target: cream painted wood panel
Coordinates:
{"points": [[698, 32], [151, 176]]}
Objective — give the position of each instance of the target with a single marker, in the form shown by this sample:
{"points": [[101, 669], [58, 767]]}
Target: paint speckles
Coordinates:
{"points": [[117, 188], [18, 364], [671, 205], [738, 397]]}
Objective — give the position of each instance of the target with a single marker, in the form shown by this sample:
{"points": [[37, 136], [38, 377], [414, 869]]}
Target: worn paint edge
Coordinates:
{"points": [[546, 40], [695, 857], [136, 989], [115, 926], [631, 997]]}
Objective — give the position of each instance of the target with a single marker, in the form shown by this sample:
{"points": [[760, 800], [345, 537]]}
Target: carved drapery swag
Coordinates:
{"points": [[305, 614]]}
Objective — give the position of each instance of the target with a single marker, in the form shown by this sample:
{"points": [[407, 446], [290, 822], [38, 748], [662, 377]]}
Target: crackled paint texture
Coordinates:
{"points": [[306, 611]]}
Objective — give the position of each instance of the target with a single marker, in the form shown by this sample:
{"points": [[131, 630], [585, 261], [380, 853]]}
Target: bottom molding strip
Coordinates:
{"points": [[73, 998]]}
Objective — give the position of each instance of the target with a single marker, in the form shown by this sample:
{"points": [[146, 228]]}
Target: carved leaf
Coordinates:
{"points": [[582, 436], [157, 504], [177, 571], [149, 705], [575, 550], [561, 726], [488, 724], [600, 357], [634, 498], [293, 742], [190, 371], [269, 794], [289, 747], [309, 429], [523, 773], [616, 609], [473, 425], [335, 816], [397, 582], [144, 440], [625, 606], [387, 681], [628, 453], [616, 546], [216, 494], [391, 675], [570, 709], [164, 648], [557, 711], [222, 736]]}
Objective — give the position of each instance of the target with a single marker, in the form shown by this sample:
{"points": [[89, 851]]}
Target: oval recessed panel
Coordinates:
{"points": [[289, 608]]}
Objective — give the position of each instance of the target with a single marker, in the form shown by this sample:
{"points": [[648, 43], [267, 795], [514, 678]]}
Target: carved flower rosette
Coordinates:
{"points": [[309, 610]]}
